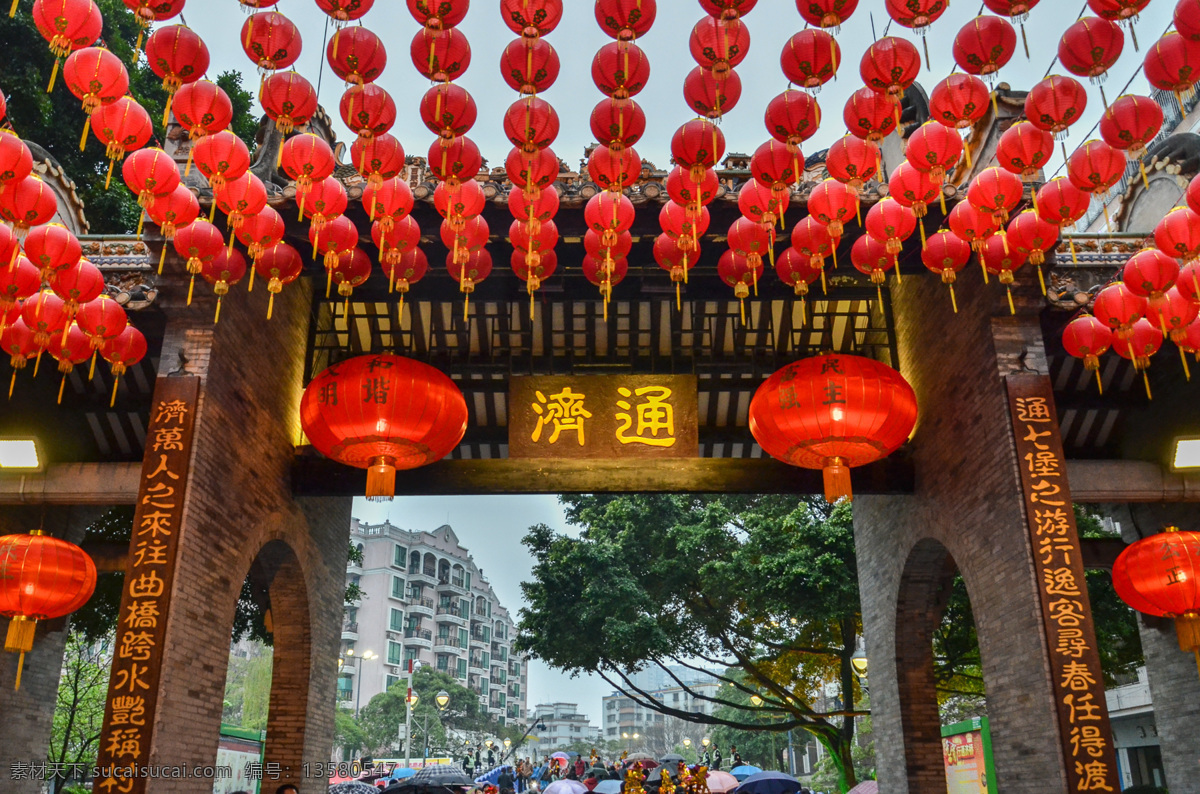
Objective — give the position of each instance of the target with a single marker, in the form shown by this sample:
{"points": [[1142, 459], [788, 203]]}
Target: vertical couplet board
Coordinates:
{"points": [[1066, 611], [123, 754]]}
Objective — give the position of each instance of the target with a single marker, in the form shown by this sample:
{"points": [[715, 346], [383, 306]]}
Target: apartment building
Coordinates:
{"points": [[622, 715], [564, 726], [425, 599]]}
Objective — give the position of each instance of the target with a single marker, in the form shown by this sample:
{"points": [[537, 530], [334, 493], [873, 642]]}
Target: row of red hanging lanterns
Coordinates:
{"points": [[530, 64], [1156, 298]]}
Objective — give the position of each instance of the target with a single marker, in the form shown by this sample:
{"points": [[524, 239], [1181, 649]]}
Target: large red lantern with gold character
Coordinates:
{"points": [[382, 413], [1160, 575], [43, 578], [833, 413]]}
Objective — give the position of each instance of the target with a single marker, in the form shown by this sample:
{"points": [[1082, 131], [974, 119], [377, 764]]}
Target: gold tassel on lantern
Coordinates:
{"points": [[837, 480], [381, 479], [20, 640]]}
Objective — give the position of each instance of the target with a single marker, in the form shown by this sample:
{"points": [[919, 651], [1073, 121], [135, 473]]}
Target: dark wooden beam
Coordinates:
{"points": [[1100, 553], [316, 476]]}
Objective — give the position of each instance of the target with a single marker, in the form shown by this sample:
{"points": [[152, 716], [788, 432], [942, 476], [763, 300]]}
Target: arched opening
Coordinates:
{"points": [[938, 669], [444, 571], [414, 562], [430, 565]]}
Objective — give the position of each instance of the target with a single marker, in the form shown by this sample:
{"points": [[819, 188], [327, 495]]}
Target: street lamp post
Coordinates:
{"points": [[366, 656], [441, 700], [410, 700]]}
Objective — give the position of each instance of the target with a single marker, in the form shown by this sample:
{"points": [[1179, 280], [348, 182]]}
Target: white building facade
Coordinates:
{"points": [[564, 726], [424, 599]]}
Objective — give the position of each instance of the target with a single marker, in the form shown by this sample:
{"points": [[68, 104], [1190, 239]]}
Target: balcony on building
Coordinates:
{"points": [[350, 630], [447, 641], [476, 663], [452, 584], [420, 637], [421, 605], [451, 613], [422, 576]]}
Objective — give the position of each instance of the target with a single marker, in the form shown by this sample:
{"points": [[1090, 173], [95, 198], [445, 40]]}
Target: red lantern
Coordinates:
{"points": [[356, 55], [852, 161], [17, 282], [46, 315], [368, 110], [1061, 203], [222, 271], [544, 239], [1095, 167], [793, 269], [530, 65], [377, 158], [691, 194], [594, 245], [468, 274], [984, 45], [352, 269], [871, 257], [240, 197], [389, 202], [996, 192], [828, 14], [541, 207], [934, 149], [1178, 234], [1118, 307], [415, 415], [1150, 273], [626, 19], [51, 247], [532, 171], [448, 110], [67, 25], [345, 10], [438, 14], [202, 108], [718, 45], [28, 203], [1143, 342], [833, 204], [728, 9], [810, 59], [260, 232], [96, 77], [1090, 47], [121, 353], [1130, 124], [17, 341], [914, 189], [709, 95], [306, 158], [738, 272], [1123, 10], [531, 123], [173, 211], [1024, 150], [763, 203], [870, 116], [148, 11], [1173, 63], [813, 241], [336, 235], [614, 170], [772, 164], [101, 320], [971, 225], [177, 55], [1055, 104], [889, 66], [675, 259], [16, 161], [676, 221], [1087, 338], [620, 69], [533, 269], [197, 243], [1158, 575], [280, 265], [465, 238], [605, 273], [698, 145], [406, 266], [793, 117], [891, 223], [271, 40], [1187, 19], [608, 214], [1004, 261], [832, 413], [440, 55], [45, 578], [77, 284], [122, 127], [1032, 237], [917, 15], [149, 173], [749, 239], [618, 123], [531, 19], [289, 100], [958, 101], [1173, 316], [460, 202], [455, 161], [945, 253]]}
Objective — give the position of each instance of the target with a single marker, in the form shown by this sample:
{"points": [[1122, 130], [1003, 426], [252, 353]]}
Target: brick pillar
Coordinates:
{"points": [[29, 711], [239, 504], [967, 511], [1174, 679]]}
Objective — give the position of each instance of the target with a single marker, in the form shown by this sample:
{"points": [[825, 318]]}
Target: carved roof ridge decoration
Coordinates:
{"points": [[47, 166]]}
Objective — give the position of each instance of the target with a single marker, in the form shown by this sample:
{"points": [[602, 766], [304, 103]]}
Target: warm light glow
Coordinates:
{"points": [[508, 743], [837, 414], [19, 453], [624, 735], [687, 742], [370, 655], [637, 736], [1187, 453], [755, 700], [859, 662], [412, 698], [442, 699], [706, 741]]}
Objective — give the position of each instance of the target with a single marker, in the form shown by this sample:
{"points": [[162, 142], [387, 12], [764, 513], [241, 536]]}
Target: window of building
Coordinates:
{"points": [[464, 607], [410, 655], [345, 689], [395, 651], [487, 634], [467, 581], [390, 681], [399, 555], [397, 588], [396, 619], [612, 731], [675, 697], [443, 662], [487, 659], [462, 638], [462, 668]]}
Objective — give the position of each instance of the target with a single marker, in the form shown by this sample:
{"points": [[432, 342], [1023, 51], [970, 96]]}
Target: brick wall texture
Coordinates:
{"points": [[966, 514], [239, 508]]}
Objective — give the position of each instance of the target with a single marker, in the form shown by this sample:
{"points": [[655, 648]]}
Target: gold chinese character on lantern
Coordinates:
{"points": [[654, 414], [563, 411]]}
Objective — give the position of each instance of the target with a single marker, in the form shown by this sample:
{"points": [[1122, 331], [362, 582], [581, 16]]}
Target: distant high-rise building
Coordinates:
{"points": [[425, 599], [623, 716], [564, 725]]}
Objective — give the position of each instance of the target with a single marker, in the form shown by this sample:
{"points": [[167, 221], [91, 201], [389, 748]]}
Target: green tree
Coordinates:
{"points": [[767, 585], [79, 705], [248, 688], [245, 121], [348, 734]]}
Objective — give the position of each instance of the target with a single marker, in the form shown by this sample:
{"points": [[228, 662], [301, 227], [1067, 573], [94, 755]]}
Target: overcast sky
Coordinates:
{"points": [[491, 527], [578, 37]]}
